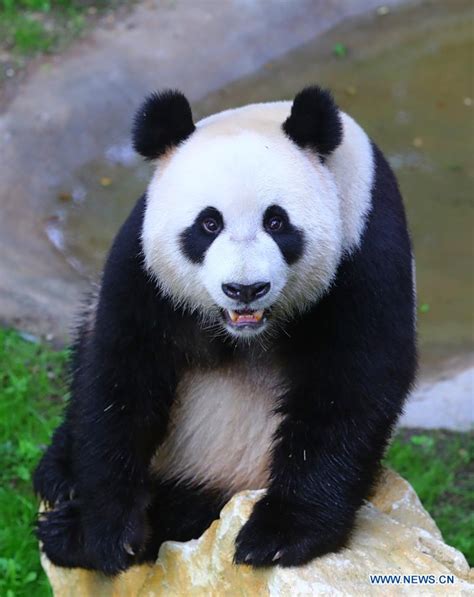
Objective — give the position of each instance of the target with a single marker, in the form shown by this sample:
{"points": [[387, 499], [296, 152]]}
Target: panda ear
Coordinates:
{"points": [[314, 121], [164, 120]]}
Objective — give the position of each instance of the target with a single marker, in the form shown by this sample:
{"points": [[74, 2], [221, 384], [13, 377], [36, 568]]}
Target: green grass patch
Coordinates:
{"points": [[32, 394], [439, 465], [29, 27]]}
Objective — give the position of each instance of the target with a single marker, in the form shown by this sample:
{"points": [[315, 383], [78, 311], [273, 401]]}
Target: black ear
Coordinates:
{"points": [[314, 121], [164, 120]]}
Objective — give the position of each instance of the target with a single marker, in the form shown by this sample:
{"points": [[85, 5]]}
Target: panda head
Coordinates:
{"points": [[243, 219]]}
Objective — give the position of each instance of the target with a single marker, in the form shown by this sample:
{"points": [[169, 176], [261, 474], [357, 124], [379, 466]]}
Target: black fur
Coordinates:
{"points": [[289, 238], [349, 362], [180, 513], [195, 240], [163, 121], [314, 121]]}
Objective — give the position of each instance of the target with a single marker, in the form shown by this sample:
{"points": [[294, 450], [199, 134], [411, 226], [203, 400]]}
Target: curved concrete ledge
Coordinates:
{"points": [[443, 404]]}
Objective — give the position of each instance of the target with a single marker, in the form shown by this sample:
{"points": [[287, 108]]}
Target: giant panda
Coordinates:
{"points": [[254, 328]]}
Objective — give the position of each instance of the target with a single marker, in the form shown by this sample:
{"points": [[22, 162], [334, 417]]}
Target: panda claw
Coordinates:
{"points": [[128, 549], [277, 556]]}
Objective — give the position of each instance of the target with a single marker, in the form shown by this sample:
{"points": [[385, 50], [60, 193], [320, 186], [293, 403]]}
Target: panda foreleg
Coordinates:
{"points": [[123, 385], [103, 526], [337, 420], [120, 416], [323, 469]]}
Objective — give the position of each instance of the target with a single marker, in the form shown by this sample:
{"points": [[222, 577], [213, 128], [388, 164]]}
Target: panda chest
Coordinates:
{"points": [[221, 428]]}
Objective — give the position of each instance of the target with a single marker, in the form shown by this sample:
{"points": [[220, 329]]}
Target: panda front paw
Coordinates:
{"points": [[287, 534], [115, 544], [60, 534], [109, 544]]}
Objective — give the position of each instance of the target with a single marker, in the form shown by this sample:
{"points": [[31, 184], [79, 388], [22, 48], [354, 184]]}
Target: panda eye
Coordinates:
{"points": [[211, 226], [274, 224]]}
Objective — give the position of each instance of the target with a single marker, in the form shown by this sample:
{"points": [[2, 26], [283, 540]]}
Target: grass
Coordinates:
{"points": [[29, 27], [32, 393], [439, 465]]}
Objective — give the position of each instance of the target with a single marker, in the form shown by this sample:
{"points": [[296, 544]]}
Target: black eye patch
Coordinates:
{"points": [[289, 238], [198, 237]]}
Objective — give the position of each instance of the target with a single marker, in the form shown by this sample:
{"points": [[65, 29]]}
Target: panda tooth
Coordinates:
{"points": [[233, 315], [258, 314]]}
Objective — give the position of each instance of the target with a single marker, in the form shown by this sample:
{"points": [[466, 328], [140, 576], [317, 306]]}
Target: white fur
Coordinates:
{"points": [[352, 166], [221, 428], [240, 162]]}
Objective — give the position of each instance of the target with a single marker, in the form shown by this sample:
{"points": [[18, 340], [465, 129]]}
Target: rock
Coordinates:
{"points": [[394, 535]]}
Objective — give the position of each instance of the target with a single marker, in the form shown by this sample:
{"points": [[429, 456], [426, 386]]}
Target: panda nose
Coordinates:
{"points": [[246, 292]]}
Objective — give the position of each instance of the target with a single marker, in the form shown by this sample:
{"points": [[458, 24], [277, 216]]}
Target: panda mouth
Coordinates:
{"points": [[241, 318]]}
